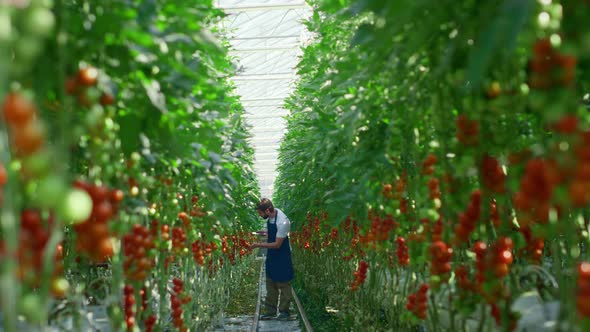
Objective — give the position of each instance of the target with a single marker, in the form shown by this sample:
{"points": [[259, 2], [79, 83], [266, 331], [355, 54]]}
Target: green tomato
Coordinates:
{"points": [[27, 48], [60, 286], [50, 191], [435, 281], [94, 117], [38, 164], [5, 27], [39, 22], [31, 306], [76, 206]]}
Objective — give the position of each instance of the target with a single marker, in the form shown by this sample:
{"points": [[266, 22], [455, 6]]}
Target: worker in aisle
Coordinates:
{"points": [[279, 267]]}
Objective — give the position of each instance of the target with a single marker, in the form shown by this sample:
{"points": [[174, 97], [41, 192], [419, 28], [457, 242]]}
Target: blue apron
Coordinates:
{"points": [[279, 267]]}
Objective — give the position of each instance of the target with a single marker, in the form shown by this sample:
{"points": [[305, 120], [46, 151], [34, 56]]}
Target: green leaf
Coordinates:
{"points": [[500, 35], [129, 134]]}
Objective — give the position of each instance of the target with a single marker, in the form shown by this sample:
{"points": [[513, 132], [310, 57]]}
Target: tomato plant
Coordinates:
{"points": [[122, 147], [463, 123]]}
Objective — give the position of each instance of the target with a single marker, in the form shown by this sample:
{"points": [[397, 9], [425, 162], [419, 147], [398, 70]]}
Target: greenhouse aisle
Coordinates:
{"points": [[247, 323]]}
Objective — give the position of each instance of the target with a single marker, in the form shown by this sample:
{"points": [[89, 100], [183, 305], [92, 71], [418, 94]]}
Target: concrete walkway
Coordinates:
{"points": [[244, 323]]}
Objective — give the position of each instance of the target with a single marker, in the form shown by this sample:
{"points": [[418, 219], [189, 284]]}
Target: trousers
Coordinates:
{"points": [[274, 291]]}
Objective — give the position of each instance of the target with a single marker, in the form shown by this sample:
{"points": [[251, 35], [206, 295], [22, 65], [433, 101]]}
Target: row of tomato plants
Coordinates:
{"points": [[444, 168], [123, 157]]}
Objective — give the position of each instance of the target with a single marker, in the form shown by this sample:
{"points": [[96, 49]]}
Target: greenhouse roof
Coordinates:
{"points": [[265, 38]]}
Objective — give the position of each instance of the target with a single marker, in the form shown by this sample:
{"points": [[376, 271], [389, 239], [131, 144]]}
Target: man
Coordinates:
{"points": [[279, 267]]}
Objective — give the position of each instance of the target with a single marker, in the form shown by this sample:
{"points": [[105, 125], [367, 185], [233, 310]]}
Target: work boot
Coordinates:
{"points": [[268, 316], [284, 315]]}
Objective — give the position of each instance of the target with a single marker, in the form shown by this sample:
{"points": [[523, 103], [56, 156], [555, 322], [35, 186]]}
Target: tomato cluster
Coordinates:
{"points": [[403, 256], [467, 130], [176, 302], [244, 247], [437, 230], [492, 265], [480, 250], [533, 200], [380, 228], [150, 323], [3, 179], [144, 301], [129, 300], [164, 230], [240, 245], [549, 68], [400, 187], [136, 247], [93, 234], [387, 190], [428, 164], [495, 214], [308, 235], [33, 240], [198, 249], [418, 302], [463, 281], [468, 219], [492, 175], [78, 85], [433, 188], [501, 256], [196, 211], [26, 129], [178, 240], [534, 245], [566, 124], [186, 220], [440, 254], [359, 275]]}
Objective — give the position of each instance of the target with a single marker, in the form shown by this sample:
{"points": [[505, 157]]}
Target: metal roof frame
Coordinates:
{"points": [[265, 38], [262, 7]]}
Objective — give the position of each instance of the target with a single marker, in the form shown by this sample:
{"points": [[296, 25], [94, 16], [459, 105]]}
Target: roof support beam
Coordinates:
{"points": [[277, 105], [278, 76], [261, 99], [266, 74], [266, 37], [264, 7], [266, 49], [267, 117]]}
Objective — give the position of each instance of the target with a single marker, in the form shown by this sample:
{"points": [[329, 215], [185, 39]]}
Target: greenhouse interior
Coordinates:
{"points": [[294, 165]]}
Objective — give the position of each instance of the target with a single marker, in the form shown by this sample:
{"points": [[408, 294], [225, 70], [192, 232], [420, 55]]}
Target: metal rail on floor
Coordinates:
{"points": [[257, 312], [302, 314]]}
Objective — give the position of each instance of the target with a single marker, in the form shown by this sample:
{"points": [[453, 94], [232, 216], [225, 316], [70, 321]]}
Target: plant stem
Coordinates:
{"points": [[482, 320]]}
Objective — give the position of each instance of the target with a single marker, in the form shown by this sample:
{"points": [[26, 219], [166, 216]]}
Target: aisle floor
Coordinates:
{"points": [[244, 323]]}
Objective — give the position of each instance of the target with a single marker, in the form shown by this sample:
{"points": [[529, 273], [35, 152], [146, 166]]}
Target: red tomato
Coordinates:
{"points": [[17, 110], [29, 138], [117, 196], [87, 76], [584, 270], [3, 175], [106, 99]]}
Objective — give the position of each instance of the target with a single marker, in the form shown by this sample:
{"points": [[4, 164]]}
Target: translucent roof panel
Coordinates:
{"points": [[266, 39]]}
